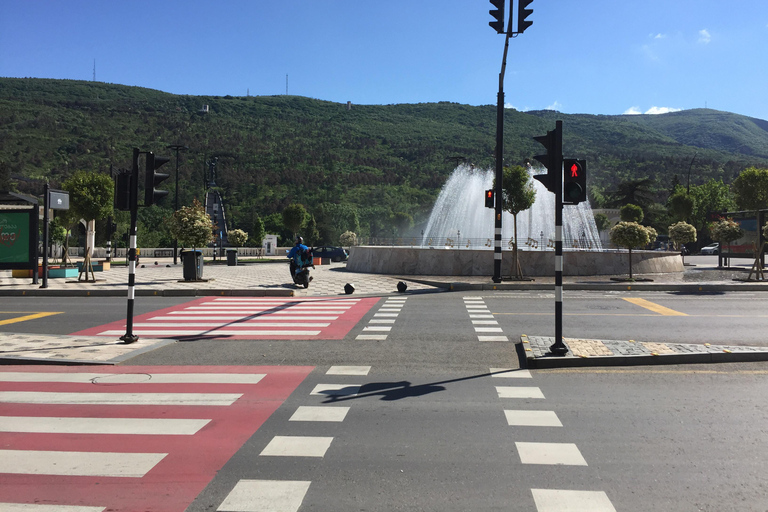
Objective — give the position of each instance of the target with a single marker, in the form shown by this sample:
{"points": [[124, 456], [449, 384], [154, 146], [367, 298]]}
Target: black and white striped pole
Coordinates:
{"points": [[553, 180], [129, 337]]}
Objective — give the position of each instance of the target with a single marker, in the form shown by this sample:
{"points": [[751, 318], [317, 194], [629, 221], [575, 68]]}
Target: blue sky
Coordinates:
{"points": [[594, 57]]}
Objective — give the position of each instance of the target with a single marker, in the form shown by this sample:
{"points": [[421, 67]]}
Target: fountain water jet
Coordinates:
{"points": [[460, 212]]}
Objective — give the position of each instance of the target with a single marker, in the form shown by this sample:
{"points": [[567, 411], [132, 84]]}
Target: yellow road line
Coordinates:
{"points": [[656, 308], [29, 317]]}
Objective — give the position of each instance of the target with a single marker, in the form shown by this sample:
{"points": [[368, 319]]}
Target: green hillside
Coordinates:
{"points": [[380, 159]]}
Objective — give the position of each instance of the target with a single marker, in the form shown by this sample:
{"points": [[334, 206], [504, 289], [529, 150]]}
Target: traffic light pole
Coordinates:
{"points": [[129, 337], [499, 166], [558, 348]]}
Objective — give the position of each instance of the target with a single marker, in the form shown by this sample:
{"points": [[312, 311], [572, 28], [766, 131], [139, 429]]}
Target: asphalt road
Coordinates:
{"points": [[433, 424]]}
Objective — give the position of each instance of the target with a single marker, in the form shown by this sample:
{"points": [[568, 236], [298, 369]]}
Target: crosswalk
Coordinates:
{"points": [[248, 318], [543, 453], [77, 440]]}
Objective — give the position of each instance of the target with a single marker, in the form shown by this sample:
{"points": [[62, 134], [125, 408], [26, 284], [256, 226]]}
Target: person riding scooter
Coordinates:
{"points": [[300, 256]]}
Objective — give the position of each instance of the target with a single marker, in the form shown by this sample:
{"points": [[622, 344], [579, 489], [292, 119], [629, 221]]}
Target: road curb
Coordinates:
{"points": [[713, 354], [660, 287], [193, 292]]}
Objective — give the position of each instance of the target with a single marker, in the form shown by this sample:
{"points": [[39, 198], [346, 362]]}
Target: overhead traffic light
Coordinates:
{"points": [[523, 13], [489, 202], [553, 158], [152, 178], [498, 15], [574, 181]]}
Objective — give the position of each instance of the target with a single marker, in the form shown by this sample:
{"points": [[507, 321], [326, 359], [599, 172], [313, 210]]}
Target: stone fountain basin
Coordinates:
{"points": [[433, 261]]}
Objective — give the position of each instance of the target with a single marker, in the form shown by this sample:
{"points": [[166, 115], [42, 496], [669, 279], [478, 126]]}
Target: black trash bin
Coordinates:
{"points": [[193, 265], [231, 257]]}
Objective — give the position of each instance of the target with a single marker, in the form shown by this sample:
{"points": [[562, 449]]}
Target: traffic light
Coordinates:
{"points": [[489, 203], [498, 15], [553, 158], [523, 13], [574, 181], [152, 178], [123, 192]]}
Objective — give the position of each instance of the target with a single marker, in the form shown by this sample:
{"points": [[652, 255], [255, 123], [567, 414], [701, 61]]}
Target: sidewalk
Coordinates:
{"points": [[159, 277]]}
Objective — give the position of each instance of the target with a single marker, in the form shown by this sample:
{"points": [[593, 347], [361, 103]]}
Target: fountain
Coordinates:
{"points": [[458, 238], [460, 214]]}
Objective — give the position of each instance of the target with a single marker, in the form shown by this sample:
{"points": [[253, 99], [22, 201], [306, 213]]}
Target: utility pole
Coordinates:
{"points": [[176, 147]]}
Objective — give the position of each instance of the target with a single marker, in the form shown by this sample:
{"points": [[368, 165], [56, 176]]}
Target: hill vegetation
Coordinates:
{"points": [[384, 162]]}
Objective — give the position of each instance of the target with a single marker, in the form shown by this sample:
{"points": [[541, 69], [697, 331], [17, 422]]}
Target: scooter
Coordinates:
{"points": [[301, 275]]}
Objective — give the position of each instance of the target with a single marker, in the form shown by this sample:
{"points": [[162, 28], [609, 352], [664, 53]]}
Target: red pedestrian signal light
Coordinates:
{"points": [[489, 202], [575, 181]]}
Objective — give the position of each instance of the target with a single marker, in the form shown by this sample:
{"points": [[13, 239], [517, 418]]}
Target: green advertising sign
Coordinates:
{"points": [[14, 237]]}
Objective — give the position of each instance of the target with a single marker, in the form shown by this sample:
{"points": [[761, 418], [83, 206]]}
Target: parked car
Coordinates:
{"points": [[327, 251], [711, 249]]}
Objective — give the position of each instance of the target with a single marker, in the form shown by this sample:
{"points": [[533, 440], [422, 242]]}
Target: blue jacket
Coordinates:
{"points": [[296, 252]]}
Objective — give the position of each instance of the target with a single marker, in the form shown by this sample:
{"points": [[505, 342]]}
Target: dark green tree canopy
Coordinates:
{"points": [[90, 194]]}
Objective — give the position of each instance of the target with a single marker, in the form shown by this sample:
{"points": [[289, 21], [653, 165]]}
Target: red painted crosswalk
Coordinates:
{"points": [[247, 318], [128, 438]]}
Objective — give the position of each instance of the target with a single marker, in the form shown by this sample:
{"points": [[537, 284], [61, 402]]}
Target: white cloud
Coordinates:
{"points": [[662, 110], [704, 36], [509, 105], [633, 111], [658, 36], [555, 106]]}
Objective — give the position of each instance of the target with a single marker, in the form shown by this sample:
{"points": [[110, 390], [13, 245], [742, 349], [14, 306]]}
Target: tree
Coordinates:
{"points": [[725, 230], [348, 239], [311, 234], [402, 222], [333, 219], [517, 195], [629, 235], [712, 196], [633, 192], [682, 233], [631, 213], [237, 237], [680, 205], [258, 231], [602, 222], [90, 197], [751, 189], [294, 217], [191, 226]]}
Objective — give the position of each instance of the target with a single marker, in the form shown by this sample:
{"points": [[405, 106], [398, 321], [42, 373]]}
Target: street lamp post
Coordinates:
{"points": [[176, 147]]}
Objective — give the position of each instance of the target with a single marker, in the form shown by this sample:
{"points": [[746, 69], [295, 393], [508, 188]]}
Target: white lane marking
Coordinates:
{"points": [[381, 321], [48, 397], [336, 390], [488, 329], [556, 500], [244, 323], [133, 378], [480, 316], [492, 338], [510, 373], [218, 332], [34, 507], [129, 426], [265, 496], [386, 315], [325, 413], [380, 328], [372, 337], [485, 322], [526, 418], [519, 392], [565, 454], [348, 370], [297, 446], [38, 462]]}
